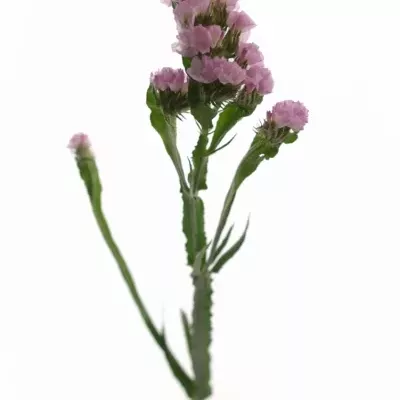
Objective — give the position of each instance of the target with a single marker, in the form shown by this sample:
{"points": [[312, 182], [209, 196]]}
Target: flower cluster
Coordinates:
{"points": [[282, 125], [171, 87], [212, 38]]}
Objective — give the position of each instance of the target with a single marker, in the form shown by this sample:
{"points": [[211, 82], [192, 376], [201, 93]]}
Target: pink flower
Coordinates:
{"points": [[169, 78], [197, 39], [186, 11], [203, 69], [289, 113], [79, 143], [207, 70], [230, 72], [260, 79], [250, 54], [240, 21]]}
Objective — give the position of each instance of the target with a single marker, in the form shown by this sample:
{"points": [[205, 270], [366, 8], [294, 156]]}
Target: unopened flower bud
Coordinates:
{"points": [[80, 145]]}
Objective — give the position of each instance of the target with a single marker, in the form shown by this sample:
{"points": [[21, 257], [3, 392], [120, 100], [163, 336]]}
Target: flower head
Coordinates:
{"points": [[169, 78], [230, 72], [240, 21], [259, 79], [207, 70], [249, 54], [290, 114], [80, 145], [197, 39]]}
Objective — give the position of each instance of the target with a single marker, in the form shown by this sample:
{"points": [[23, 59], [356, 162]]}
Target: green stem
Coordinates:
{"points": [[246, 167], [90, 175]]}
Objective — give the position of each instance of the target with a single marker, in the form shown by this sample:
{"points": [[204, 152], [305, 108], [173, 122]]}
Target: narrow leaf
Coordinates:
{"points": [[186, 329], [186, 382], [199, 174], [232, 251], [228, 118], [209, 153], [224, 242]]}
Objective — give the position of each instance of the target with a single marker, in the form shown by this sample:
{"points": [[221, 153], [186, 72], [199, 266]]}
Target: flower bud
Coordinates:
{"points": [[80, 145]]}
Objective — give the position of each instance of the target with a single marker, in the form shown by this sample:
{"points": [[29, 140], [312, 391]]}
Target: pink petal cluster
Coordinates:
{"points": [[240, 21], [207, 70], [78, 142], [260, 79], [186, 11], [197, 39], [169, 78], [250, 54], [289, 113]]}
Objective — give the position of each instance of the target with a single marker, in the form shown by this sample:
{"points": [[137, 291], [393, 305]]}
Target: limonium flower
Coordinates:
{"points": [[249, 54], [290, 114], [259, 78], [197, 39], [241, 21], [169, 78], [207, 70]]}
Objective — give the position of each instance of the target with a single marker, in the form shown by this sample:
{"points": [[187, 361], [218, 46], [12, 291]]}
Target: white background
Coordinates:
{"points": [[308, 310]]}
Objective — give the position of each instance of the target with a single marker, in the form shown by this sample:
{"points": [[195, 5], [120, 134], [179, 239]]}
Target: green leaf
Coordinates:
{"points": [[187, 330], [201, 328], [248, 165], [151, 99], [198, 175], [209, 153], [290, 138], [224, 242], [187, 62], [204, 115], [232, 251], [186, 382], [195, 94], [193, 225], [228, 118]]}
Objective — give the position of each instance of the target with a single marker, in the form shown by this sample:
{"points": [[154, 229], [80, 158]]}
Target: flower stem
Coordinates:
{"points": [[89, 173]]}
